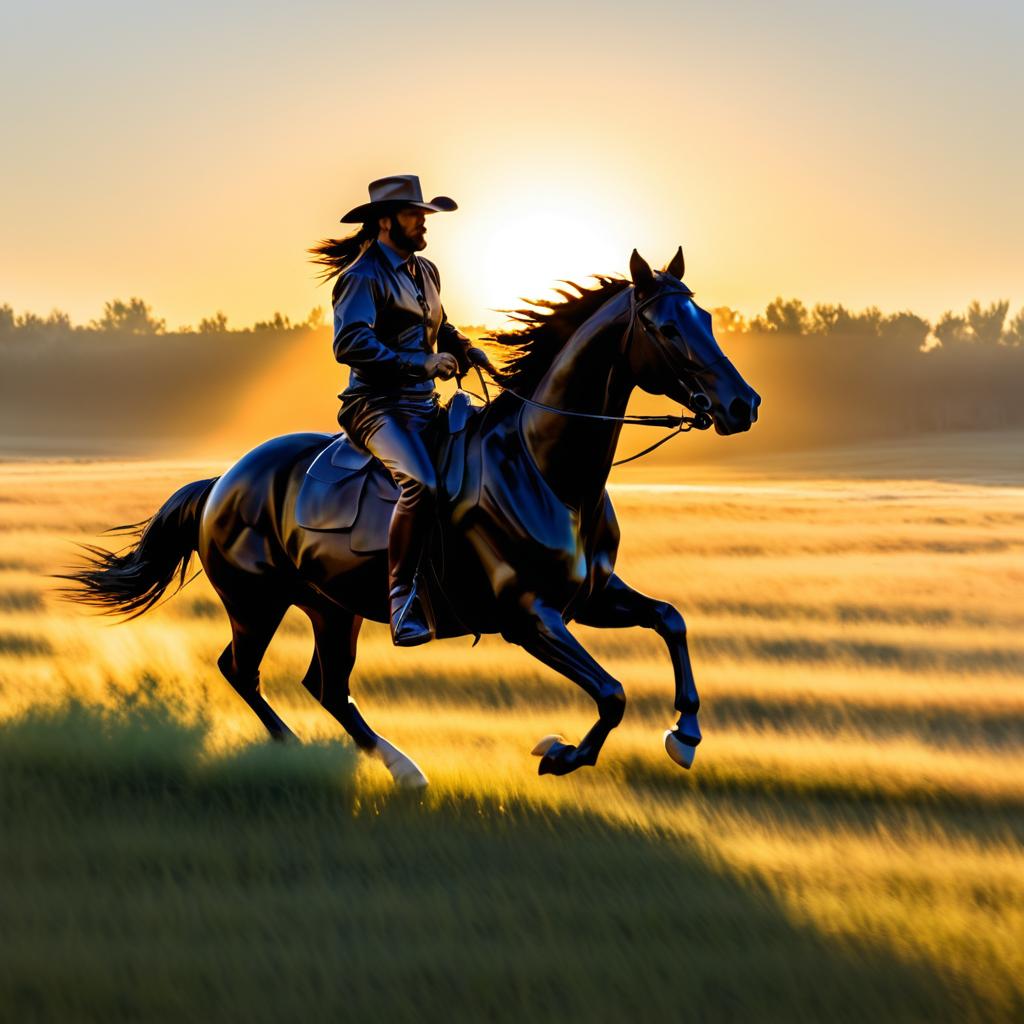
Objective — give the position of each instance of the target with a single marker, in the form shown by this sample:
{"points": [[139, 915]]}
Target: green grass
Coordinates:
{"points": [[146, 880]]}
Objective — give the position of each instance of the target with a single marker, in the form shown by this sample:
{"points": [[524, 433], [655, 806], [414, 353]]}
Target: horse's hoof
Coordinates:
{"points": [[681, 753], [404, 770], [544, 745], [559, 759]]}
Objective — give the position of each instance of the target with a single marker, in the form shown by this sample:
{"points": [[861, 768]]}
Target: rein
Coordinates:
{"points": [[681, 424]]}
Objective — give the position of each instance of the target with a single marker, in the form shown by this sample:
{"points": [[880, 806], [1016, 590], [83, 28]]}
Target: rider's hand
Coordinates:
{"points": [[442, 364]]}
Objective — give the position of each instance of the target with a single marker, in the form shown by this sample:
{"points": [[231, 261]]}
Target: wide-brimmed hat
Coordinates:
{"points": [[386, 193]]}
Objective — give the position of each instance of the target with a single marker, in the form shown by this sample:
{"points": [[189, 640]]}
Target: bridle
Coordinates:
{"points": [[698, 401]]}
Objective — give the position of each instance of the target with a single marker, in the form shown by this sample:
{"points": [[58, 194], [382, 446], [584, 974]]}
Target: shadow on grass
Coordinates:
{"points": [[143, 880]]}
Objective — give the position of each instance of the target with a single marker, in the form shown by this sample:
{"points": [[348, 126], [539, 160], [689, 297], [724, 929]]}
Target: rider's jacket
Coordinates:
{"points": [[385, 326]]}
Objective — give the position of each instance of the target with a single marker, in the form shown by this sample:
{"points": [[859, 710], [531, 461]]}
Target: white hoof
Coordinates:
{"points": [[404, 770], [544, 745], [681, 753]]}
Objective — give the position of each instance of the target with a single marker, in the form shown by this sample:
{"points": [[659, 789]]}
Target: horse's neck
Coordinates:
{"points": [[574, 454]]}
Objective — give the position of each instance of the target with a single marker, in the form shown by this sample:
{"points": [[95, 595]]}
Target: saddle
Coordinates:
{"points": [[344, 482]]}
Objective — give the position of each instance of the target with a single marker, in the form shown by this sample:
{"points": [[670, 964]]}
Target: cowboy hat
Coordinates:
{"points": [[398, 189]]}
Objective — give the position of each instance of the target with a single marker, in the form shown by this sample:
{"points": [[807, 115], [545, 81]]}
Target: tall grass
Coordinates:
{"points": [[848, 844]]}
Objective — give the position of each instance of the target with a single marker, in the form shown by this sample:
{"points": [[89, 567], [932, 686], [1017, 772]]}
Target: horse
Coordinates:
{"points": [[526, 541]]}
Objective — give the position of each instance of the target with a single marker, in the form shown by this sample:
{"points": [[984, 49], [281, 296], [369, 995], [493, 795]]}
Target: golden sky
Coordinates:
{"points": [[866, 153]]}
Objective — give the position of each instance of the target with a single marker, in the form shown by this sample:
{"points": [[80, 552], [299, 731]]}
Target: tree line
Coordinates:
{"points": [[135, 318], [977, 325]]}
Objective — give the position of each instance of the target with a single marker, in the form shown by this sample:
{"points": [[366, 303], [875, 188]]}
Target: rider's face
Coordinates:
{"points": [[408, 229]]}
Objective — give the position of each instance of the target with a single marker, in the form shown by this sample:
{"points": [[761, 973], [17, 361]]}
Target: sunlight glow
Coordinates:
{"points": [[524, 252]]}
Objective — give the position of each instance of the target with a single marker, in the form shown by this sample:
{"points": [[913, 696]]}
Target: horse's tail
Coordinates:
{"points": [[131, 582]]}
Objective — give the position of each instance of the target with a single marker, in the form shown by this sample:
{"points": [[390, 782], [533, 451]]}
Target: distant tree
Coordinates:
{"points": [[952, 329], [216, 324], [1014, 333], [868, 322], [907, 330], [784, 317], [131, 317], [987, 324], [29, 327], [278, 323], [728, 321], [59, 320], [827, 319], [315, 318], [838, 319], [29, 323]]}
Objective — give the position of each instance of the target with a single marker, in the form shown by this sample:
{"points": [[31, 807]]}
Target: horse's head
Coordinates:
{"points": [[673, 351]]}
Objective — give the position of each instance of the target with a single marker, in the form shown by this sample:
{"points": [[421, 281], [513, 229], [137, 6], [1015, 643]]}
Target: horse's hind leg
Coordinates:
{"points": [[336, 633], [539, 629], [251, 631]]}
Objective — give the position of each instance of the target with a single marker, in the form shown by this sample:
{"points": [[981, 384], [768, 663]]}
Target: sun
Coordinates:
{"points": [[524, 250]]}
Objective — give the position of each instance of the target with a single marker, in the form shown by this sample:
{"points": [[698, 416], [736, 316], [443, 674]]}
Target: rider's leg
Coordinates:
{"points": [[398, 442]]}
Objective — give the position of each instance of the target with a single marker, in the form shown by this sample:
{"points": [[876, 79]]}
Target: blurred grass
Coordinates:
{"points": [[144, 882], [849, 844]]}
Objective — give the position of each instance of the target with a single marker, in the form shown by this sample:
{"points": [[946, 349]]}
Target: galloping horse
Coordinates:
{"points": [[526, 540]]}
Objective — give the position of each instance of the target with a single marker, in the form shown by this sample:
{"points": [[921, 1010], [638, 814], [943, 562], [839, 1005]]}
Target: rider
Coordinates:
{"points": [[387, 318]]}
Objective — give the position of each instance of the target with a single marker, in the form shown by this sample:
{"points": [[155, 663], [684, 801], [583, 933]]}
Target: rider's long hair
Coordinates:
{"points": [[337, 254]]}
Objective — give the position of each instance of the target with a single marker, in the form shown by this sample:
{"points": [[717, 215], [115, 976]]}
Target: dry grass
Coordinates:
{"points": [[859, 649]]}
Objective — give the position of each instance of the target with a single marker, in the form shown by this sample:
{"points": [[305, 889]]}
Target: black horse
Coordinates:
{"points": [[526, 540]]}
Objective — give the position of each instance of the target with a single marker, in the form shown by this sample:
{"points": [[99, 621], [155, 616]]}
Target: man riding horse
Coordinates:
{"points": [[387, 319], [529, 530]]}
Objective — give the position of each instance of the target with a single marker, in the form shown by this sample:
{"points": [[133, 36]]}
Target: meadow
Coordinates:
{"points": [[847, 846]]}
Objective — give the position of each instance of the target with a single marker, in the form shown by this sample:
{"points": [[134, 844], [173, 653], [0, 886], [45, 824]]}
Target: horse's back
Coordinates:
{"points": [[241, 523]]}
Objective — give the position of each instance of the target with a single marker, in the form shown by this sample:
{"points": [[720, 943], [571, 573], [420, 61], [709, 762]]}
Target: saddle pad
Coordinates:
{"points": [[329, 504], [344, 489]]}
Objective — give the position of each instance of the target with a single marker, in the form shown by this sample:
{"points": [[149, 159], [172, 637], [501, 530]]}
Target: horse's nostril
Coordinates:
{"points": [[740, 411]]}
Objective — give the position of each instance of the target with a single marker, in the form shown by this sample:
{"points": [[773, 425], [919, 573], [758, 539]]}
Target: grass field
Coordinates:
{"points": [[847, 846]]}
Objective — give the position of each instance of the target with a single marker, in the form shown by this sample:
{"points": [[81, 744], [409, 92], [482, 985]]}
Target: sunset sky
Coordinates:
{"points": [[189, 153]]}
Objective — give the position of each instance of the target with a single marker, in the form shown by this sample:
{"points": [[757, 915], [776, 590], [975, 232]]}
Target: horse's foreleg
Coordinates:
{"points": [[336, 633], [539, 629], [618, 606]]}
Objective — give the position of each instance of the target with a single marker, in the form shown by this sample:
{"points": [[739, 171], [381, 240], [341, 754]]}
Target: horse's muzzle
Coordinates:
{"points": [[740, 416]]}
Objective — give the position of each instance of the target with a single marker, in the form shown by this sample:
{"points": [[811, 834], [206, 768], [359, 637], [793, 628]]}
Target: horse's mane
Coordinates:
{"points": [[528, 351]]}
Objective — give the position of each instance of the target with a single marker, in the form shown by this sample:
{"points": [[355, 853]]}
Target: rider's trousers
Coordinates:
{"points": [[400, 432]]}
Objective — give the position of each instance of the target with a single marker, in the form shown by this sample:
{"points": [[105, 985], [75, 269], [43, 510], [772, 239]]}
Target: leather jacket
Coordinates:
{"points": [[384, 328]]}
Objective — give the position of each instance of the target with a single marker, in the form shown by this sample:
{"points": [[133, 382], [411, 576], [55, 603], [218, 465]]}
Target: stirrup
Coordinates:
{"points": [[409, 626]]}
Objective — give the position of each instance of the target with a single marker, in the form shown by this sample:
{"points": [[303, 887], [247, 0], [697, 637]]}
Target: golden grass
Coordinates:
{"points": [[858, 645]]}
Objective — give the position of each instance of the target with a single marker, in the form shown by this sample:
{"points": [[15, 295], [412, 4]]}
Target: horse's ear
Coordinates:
{"points": [[677, 265], [640, 271]]}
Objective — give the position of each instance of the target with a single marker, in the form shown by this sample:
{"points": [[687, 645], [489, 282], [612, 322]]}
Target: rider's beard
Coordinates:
{"points": [[400, 240]]}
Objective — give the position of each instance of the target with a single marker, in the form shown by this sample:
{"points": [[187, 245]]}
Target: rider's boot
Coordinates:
{"points": [[410, 523], [409, 625]]}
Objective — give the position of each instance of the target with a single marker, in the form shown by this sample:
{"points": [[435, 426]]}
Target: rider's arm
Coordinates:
{"points": [[355, 341], [450, 338]]}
